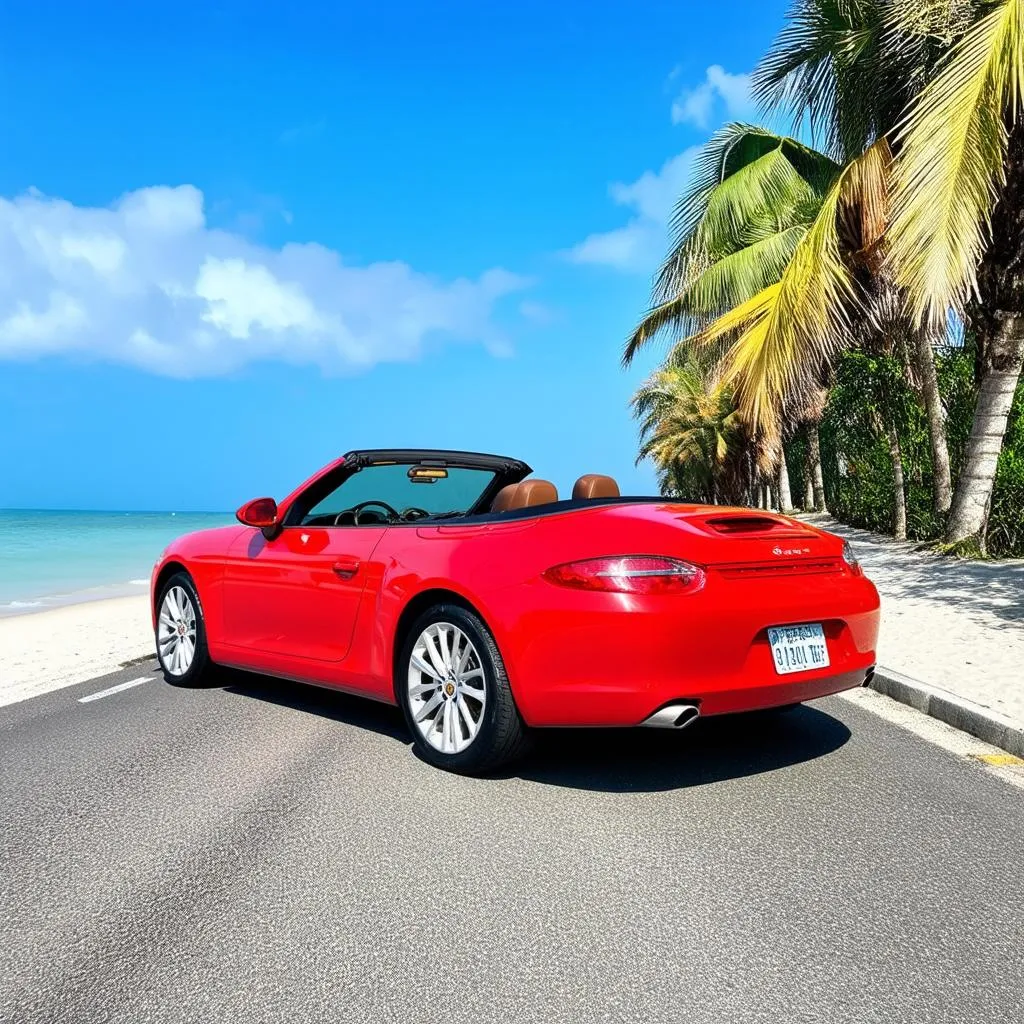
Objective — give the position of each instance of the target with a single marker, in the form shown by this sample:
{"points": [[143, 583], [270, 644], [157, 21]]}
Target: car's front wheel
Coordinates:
{"points": [[181, 632], [455, 693]]}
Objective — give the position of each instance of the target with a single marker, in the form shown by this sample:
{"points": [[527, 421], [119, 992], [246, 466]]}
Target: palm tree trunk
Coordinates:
{"points": [[899, 486], [785, 497], [998, 317], [968, 518], [942, 486], [808, 485], [814, 457]]}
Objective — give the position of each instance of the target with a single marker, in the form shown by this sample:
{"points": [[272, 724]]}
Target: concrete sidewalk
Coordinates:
{"points": [[952, 635]]}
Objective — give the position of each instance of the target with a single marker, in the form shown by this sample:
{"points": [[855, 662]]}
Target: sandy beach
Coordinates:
{"points": [[953, 624], [61, 646]]}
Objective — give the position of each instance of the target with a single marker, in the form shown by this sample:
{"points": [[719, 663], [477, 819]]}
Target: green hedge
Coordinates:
{"points": [[871, 391]]}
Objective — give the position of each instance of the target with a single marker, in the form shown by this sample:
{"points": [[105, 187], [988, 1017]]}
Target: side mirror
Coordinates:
{"points": [[260, 512]]}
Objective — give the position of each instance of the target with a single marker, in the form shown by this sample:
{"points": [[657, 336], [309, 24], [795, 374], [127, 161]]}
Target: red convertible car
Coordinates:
{"points": [[463, 590]]}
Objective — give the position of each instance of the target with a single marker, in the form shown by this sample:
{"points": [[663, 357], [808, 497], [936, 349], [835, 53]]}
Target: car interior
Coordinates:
{"points": [[337, 508], [532, 492]]}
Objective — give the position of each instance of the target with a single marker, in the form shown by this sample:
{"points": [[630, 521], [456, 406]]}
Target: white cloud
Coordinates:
{"points": [[146, 282], [60, 314], [240, 297], [720, 90], [641, 243]]}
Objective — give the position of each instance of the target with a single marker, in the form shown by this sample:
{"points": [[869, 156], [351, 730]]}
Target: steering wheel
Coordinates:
{"points": [[356, 509], [414, 512]]}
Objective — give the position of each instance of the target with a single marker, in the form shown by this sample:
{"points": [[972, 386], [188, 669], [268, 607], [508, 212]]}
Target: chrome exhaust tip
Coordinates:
{"points": [[869, 676], [673, 716]]}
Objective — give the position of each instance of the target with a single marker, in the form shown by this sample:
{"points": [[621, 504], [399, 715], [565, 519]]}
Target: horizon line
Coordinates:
{"points": [[122, 511]]}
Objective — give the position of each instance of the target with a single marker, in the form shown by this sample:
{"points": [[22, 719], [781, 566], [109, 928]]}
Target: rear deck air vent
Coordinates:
{"points": [[745, 524]]}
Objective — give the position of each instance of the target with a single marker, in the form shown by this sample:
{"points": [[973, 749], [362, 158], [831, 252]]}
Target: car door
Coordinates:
{"points": [[297, 595]]}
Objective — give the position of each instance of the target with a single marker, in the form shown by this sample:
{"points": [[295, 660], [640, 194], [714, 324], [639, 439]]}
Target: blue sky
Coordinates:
{"points": [[239, 239]]}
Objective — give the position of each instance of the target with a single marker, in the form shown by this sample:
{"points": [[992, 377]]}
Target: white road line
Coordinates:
{"points": [[115, 689], [932, 730]]}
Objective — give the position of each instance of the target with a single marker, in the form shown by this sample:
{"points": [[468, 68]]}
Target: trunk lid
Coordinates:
{"points": [[743, 543]]}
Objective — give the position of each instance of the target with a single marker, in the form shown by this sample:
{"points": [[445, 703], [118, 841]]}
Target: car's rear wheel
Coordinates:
{"points": [[181, 633], [455, 693]]}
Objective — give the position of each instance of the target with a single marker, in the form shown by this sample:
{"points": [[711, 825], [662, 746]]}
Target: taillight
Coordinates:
{"points": [[851, 559], [628, 574]]}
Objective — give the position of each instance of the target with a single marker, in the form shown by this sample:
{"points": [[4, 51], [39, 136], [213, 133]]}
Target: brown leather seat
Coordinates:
{"points": [[534, 492], [503, 499], [524, 494], [594, 485]]}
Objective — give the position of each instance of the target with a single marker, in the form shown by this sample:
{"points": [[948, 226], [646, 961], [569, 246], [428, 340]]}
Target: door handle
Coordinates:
{"points": [[346, 568]]}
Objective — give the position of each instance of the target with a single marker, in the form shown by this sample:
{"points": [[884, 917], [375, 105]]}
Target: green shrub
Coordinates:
{"points": [[870, 392]]}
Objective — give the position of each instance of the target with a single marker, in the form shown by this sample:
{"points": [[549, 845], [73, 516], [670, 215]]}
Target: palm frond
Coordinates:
{"points": [[789, 330], [688, 426], [865, 204], [727, 283], [731, 147], [795, 170], [770, 184], [951, 163], [742, 274], [845, 69], [796, 75], [753, 195]]}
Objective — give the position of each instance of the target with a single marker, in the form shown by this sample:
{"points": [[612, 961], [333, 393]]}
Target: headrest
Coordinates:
{"points": [[524, 494], [593, 485], [534, 492], [503, 499]]}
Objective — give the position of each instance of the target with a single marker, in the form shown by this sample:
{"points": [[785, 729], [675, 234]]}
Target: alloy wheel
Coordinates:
{"points": [[176, 631], [447, 691]]}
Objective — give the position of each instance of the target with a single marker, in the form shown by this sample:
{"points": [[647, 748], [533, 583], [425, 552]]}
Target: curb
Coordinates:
{"points": [[956, 711]]}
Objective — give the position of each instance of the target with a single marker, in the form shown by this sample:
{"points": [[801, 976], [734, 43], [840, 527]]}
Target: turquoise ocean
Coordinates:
{"points": [[55, 558]]}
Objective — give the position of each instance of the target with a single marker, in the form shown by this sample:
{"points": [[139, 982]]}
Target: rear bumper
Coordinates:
{"points": [[587, 659]]}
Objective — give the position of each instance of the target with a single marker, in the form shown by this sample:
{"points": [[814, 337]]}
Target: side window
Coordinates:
{"points": [[404, 500]]}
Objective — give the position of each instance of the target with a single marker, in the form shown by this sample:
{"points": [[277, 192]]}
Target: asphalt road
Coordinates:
{"points": [[263, 851]]}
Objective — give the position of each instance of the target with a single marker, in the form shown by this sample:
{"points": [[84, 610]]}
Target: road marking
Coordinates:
{"points": [[998, 759], [986, 757], [115, 689]]}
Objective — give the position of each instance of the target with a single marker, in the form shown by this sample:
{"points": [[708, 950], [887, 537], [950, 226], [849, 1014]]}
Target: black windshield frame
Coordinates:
{"points": [[505, 471]]}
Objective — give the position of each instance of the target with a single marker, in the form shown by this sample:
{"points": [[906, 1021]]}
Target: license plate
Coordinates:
{"points": [[798, 648]]}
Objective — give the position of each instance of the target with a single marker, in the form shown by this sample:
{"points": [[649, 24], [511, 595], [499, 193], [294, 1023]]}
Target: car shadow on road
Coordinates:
{"points": [[359, 712], [606, 760], [653, 760]]}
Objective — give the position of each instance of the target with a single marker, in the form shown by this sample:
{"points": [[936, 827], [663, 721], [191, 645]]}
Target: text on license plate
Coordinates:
{"points": [[798, 648]]}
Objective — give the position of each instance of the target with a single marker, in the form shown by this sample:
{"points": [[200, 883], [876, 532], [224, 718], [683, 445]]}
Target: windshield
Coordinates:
{"points": [[376, 494]]}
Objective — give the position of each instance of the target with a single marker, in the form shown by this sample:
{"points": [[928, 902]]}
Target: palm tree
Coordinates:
{"points": [[848, 68], [958, 230], [689, 429], [754, 196], [780, 341]]}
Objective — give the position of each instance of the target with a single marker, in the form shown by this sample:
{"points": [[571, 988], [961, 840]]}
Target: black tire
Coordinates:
{"points": [[199, 668], [503, 735]]}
